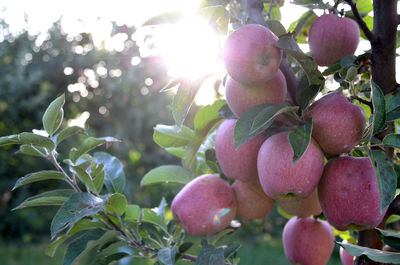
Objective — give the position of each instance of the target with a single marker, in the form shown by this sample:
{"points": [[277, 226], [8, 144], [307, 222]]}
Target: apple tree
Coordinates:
{"points": [[314, 133]]}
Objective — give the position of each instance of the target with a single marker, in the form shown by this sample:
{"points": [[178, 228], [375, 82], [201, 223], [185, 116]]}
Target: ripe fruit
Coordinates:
{"points": [[279, 178], [242, 98], [238, 164], [303, 207], [252, 202], [332, 37], [338, 125], [349, 194], [250, 55], [206, 205], [308, 241], [345, 257]]}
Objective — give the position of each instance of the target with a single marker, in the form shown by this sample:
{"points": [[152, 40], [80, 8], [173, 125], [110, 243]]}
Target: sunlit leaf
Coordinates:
{"points": [[378, 101], [68, 132], [89, 144], [167, 174], [218, 16], [208, 114], [31, 150], [53, 115], [276, 27], [39, 176], [132, 212], [172, 136], [373, 254], [165, 18], [117, 204]]}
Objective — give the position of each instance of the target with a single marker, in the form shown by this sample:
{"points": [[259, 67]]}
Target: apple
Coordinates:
{"points": [[308, 241], [241, 163], [349, 193], [338, 125], [206, 205], [302, 207], [242, 98], [252, 202], [281, 180], [345, 257], [332, 37], [250, 56]]}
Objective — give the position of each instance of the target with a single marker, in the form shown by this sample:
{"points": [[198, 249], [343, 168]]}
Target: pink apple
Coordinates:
{"points": [[345, 257], [349, 194], [206, 205], [281, 180], [241, 163], [242, 98], [250, 55], [252, 202], [338, 125], [303, 207], [332, 37], [308, 241]]}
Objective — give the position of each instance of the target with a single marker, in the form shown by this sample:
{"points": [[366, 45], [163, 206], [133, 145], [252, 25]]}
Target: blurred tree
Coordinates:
{"points": [[35, 69]]}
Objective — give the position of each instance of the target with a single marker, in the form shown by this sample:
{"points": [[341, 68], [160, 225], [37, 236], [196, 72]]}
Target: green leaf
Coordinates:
{"points": [[98, 180], [209, 255], [50, 198], [216, 15], [51, 249], [151, 217], [166, 256], [392, 104], [10, 139], [53, 115], [389, 238], [184, 99], [185, 247], [276, 27], [68, 132], [301, 27], [106, 260], [167, 174], [132, 212], [369, 21], [89, 144], [33, 139], [117, 204], [386, 177], [373, 254], [208, 114], [85, 178], [86, 242], [171, 84], [172, 136], [378, 101], [39, 176], [168, 17], [392, 140], [269, 113], [115, 177], [364, 6], [231, 250], [31, 150], [79, 205], [315, 78], [243, 129], [299, 139], [176, 151]]}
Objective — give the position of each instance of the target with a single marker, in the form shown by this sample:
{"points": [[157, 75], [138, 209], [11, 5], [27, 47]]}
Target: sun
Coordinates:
{"points": [[190, 48]]}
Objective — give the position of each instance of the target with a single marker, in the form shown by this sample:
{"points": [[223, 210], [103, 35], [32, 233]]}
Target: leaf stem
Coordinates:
{"points": [[70, 181]]}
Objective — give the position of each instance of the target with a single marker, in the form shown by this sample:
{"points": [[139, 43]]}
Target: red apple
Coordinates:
{"points": [[345, 257], [308, 241], [250, 55], [241, 163], [332, 37], [252, 202], [303, 207], [349, 194], [206, 205], [281, 180], [242, 98], [338, 125]]}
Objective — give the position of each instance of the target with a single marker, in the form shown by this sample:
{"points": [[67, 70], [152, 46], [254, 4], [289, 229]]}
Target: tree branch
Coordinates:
{"points": [[370, 36]]}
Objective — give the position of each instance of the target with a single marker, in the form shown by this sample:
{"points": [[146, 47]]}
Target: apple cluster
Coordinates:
{"points": [[344, 188]]}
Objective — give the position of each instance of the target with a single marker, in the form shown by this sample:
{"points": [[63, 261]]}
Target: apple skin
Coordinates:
{"points": [[349, 194], [303, 207], [252, 202], [345, 257], [279, 179], [338, 125], [308, 241], [206, 205], [332, 37], [238, 164], [242, 98], [250, 56]]}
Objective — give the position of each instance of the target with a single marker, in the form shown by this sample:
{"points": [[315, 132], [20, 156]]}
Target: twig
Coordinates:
{"points": [[363, 101], [269, 15], [370, 36], [54, 161]]}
